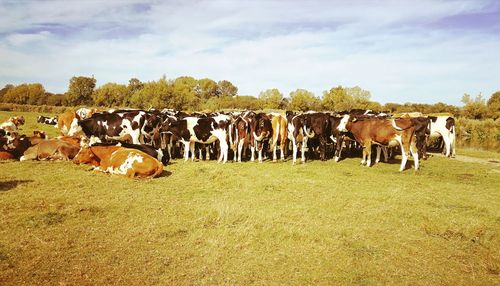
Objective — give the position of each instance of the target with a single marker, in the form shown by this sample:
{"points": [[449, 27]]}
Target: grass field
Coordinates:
{"points": [[239, 224]]}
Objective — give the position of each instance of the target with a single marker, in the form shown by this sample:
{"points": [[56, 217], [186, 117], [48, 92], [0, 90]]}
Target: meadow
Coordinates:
{"points": [[203, 223]]}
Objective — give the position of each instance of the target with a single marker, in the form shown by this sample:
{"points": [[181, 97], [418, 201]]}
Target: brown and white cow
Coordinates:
{"points": [[121, 161], [384, 132], [12, 124], [68, 122], [240, 133], [52, 149], [295, 134]]}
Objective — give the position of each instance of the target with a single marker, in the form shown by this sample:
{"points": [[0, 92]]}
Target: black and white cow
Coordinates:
{"points": [[191, 130], [47, 120], [317, 125], [444, 126], [124, 125]]}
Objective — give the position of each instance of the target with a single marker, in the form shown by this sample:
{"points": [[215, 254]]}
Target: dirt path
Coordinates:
{"points": [[491, 161]]}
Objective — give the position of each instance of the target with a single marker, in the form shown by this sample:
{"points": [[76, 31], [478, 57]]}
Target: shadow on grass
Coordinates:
{"points": [[8, 185], [165, 174]]}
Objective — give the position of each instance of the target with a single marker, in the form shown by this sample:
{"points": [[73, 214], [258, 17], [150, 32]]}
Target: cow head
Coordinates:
{"points": [[39, 119], [86, 156], [342, 127]]}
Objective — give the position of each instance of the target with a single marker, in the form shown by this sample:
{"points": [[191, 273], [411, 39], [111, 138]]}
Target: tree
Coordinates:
{"points": [[494, 105], [80, 90], [207, 88], [474, 108], [304, 100], [26, 93], [360, 97], [110, 94], [337, 99], [185, 93], [226, 88], [156, 94], [271, 98], [4, 90]]}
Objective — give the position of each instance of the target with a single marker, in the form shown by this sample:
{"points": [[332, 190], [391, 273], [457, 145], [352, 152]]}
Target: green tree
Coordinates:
{"points": [[304, 100], [156, 94], [494, 105], [360, 97], [226, 88], [185, 93], [80, 90], [32, 93], [474, 108], [110, 94], [337, 99], [4, 90], [207, 88], [271, 98]]}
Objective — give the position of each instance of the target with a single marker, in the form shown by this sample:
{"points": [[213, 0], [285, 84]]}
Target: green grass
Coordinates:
{"points": [[250, 223]]}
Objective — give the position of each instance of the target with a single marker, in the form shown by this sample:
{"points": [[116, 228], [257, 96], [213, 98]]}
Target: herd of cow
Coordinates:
{"points": [[138, 143]]}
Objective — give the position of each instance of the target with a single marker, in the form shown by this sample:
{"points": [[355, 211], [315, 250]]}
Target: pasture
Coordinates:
{"points": [[243, 224]]}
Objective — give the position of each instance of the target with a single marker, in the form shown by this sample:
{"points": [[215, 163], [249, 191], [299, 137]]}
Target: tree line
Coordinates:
{"points": [[188, 93]]}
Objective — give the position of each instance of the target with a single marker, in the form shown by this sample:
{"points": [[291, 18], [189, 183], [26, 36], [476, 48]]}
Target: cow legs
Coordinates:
{"points": [[240, 149], [404, 157], [367, 154], [447, 145], [378, 154], [186, 149], [338, 147], [252, 151], [414, 152], [304, 146]]}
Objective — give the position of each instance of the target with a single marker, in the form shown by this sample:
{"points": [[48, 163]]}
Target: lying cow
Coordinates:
{"points": [[47, 120], [16, 144], [52, 149], [12, 124], [119, 160], [161, 155], [384, 132]]}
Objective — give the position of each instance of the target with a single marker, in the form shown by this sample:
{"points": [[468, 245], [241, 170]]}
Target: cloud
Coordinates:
{"points": [[399, 51]]}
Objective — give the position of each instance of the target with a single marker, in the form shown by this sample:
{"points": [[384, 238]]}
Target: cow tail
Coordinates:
{"points": [[393, 122]]}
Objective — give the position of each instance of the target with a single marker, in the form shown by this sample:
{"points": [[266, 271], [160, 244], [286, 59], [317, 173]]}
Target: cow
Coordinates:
{"points": [[131, 163], [280, 135], [240, 133], [422, 131], [444, 126], [317, 125], [295, 122], [120, 126], [67, 123], [261, 130], [47, 120], [159, 154], [16, 144], [385, 132], [12, 124], [51, 149], [201, 130]]}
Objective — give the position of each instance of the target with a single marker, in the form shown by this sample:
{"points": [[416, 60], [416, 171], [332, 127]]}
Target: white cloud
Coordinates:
{"points": [[389, 49]]}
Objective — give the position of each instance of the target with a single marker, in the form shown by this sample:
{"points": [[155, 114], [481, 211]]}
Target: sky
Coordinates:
{"points": [[423, 51]]}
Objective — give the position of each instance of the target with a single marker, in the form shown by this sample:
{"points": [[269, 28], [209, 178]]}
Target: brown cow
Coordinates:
{"points": [[53, 149], [384, 132], [118, 160], [16, 144], [280, 135]]}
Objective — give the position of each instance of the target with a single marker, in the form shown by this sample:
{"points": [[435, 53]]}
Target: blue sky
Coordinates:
{"points": [[401, 51]]}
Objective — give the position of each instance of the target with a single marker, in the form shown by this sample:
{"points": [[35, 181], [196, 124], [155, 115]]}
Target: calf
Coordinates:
{"points": [[119, 160], [47, 120], [385, 132], [52, 149]]}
